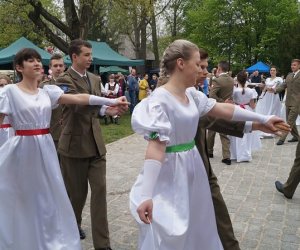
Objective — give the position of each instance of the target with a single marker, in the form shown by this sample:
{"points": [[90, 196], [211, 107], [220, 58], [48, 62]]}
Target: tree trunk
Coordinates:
{"points": [[154, 38]]}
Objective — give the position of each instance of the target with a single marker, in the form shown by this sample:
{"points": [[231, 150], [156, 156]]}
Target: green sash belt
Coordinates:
{"points": [[180, 147]]}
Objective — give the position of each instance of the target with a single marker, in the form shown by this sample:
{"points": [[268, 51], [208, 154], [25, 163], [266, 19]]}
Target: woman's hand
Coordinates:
{"points": [[145, 211]]}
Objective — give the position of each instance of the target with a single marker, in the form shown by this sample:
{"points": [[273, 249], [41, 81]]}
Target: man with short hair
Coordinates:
{"points": [[222, 89], [56, 67], [81, 145], [292, 102], [256, 82], [133, 88]]}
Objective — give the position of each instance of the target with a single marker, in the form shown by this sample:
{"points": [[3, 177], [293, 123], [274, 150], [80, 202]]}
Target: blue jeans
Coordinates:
{"points": [[133, 100]]}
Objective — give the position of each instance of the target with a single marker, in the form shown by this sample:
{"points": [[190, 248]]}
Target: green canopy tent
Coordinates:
{"points": [[113, 69], [105, 56], [7, 54]]}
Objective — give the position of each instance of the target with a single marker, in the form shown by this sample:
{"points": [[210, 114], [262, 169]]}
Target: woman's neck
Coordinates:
{"points": [[29, 85], [273, 77], [177, 88]]}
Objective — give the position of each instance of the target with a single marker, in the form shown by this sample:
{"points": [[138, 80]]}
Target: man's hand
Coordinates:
{"points": [[122, 101], [271, 126], [145, 211], [117, 110]]}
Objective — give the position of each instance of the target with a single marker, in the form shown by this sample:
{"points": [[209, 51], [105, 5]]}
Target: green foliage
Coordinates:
{"points": [[15, 22], [243, 32]]}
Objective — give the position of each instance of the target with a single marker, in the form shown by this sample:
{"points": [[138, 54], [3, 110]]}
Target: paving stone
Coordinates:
{"points": [[263, 219]]}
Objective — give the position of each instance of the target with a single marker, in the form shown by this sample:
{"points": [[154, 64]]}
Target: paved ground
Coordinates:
{"points": [[262, 218]]}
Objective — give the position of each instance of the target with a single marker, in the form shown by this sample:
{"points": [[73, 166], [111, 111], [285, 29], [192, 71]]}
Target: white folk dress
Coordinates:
{"points": [[269, 103], [35, 211], [6, 133], [183, 212], [241, 148]]}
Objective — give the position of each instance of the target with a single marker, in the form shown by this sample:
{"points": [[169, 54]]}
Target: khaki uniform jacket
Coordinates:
{"points": [[56, 117], [217, 125], [292, 84], [81, 135], [222, 88]]}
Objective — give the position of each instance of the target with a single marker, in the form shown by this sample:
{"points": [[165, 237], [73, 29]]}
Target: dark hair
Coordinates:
{"points": [[203, 54], [76, 45], [177, 49], [224, 65], [242, 78], [24, 55]]}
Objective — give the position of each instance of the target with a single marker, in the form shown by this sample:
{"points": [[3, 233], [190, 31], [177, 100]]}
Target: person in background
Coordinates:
{"points": [[292, 103], [221, 91], [133, 88], [241, 148], [269, 102], [56, 67], [111, 91], [144, 87], [153, 82], [6, 130]]}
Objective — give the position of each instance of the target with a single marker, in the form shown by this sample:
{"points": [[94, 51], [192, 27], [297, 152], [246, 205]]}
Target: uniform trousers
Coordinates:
{"points": [[225, 144], [77, 173], [291, 117], [289, 187]]}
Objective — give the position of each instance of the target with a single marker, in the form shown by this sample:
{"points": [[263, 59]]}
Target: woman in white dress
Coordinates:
{"points": [[241, 148], [269, 103], [6, 130], [35, 211], [172, 192]]}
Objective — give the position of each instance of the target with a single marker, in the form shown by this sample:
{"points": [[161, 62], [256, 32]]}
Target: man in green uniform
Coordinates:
{"points": [[81, 145], [56, 67], [222, 88]]}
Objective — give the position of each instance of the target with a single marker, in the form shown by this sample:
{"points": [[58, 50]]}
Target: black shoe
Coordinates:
{"points": [[103, 248], [105, 120], [227, 161], [111, 119], [117, 121], [81, 233], [211, 155], [279, 187], [280, 142], [293, 139]]}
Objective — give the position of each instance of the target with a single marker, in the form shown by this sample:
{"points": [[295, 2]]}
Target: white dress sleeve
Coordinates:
{"points": [[151, 121], [4, 102], [203, 103], [254, 94], [54, 92]]}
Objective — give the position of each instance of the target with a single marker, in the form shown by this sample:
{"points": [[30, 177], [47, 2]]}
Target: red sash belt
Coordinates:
{"points": [[5, 126], [31, 132]]}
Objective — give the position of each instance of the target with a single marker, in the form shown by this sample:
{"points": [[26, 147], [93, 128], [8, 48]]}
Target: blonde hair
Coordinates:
{"points": [[6, 78], [177, 49]]}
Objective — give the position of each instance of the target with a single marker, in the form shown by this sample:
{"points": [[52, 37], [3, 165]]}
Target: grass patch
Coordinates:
{"points": [[114, 132]]}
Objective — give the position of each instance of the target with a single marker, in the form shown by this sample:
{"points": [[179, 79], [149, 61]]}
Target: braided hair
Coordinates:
{"points": [[177, 49]]}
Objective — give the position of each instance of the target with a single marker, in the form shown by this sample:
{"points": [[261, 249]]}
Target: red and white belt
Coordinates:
{"points": [[5, 126], [31, 132]]}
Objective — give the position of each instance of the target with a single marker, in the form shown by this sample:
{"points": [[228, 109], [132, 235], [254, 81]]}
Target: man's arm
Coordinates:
{"points": [[66, 84], [222, 126]]}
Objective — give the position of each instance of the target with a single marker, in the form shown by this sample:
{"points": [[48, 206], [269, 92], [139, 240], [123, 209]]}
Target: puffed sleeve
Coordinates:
{"points": [[4, 103], [203, 103], [54, 92], [150, 120], [254, 94]]}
